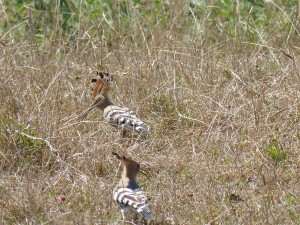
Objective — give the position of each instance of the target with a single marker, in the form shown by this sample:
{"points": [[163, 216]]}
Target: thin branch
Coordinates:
{"points": [[51, 148], [40, 139]]}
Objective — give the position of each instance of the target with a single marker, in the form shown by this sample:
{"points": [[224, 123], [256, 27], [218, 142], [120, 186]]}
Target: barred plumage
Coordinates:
{"points": [[125, 118], [117, 116], [127, 193]]}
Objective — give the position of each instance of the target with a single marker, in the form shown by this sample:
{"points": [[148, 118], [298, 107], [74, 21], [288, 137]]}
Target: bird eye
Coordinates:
{"points": [[138, 166]]}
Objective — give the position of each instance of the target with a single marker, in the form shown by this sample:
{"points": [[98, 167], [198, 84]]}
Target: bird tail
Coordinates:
{"points": [[147, 216]]}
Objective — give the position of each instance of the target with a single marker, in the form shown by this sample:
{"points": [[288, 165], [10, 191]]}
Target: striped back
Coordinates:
{"points": [[125, 118], [134, 199], [127, 193]]}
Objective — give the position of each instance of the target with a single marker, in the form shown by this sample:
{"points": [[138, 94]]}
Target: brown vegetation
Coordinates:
{"points": [[224, 118]]}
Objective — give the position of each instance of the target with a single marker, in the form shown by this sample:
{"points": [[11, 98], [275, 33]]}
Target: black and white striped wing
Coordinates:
{"points": [[135, 199], [124, 118]]}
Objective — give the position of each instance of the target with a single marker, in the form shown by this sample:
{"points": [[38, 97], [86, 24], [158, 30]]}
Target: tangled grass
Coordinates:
{"points": [[224, 114]]}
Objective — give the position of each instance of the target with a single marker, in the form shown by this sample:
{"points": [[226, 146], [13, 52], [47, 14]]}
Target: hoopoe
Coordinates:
{"points": [[127, 193], [117, 116]]}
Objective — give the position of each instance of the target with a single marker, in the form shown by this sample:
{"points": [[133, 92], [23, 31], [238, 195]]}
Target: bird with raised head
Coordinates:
{"points": [[118, 116], [128, 193]]}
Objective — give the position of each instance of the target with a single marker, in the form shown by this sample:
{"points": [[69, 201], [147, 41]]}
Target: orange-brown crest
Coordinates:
{"points": [[132, 167], [101, 84]]}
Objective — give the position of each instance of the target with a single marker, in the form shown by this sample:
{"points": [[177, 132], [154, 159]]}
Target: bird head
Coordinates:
{"points": [[101, 84], [131, 167]]}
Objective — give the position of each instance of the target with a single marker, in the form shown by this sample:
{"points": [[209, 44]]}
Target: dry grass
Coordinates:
{"points": [[224, 118]]}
